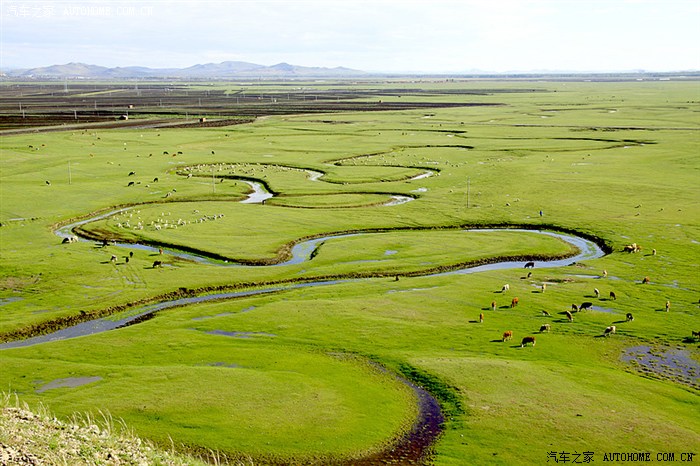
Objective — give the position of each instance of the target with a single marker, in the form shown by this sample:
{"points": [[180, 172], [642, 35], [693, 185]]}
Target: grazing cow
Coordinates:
{"points": [[505, 288], [668, 306], [585, 306], [529, 274], [157, 264], [574, 308], [609, 330], [695, 334], [132, 173], [507, 335], [646, 280], [131, 183], [493, 305], [605, 273], [527, 340], [131, 253], [653, 252], [48, 183], [630, 317], [613, 296], [126, 259], [544, 287], [155, 180], [529, 265], [514, 302], [569, 316], [481, 318], [545, 313], [545, 328], [634, 247], [113, 258], [597, 292], [160, 251]]}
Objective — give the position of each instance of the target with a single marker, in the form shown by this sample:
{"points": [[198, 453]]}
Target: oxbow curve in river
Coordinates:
{"points": [[301, 252]]}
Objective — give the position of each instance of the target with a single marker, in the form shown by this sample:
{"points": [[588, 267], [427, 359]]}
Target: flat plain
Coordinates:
{"points": [[392, 190]]}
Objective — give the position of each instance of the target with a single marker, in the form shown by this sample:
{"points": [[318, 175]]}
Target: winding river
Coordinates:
{"points": [[301, 252], [412, 448]]}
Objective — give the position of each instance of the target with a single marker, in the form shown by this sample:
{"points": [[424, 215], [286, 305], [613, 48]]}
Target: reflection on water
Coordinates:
{"points": [[300, 253]]}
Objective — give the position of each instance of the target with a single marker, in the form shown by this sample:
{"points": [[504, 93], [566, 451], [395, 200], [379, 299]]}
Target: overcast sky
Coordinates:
{"points": [[372, 35]]}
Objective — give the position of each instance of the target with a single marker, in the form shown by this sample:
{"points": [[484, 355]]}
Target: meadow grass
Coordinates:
{"points": [[292, 378]]}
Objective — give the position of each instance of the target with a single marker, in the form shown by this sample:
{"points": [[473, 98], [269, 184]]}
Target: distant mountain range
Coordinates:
{"points": [[227, 69]]}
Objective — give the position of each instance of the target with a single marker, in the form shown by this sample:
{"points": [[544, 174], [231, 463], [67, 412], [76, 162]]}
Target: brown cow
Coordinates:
{"points": [[507, 335], [527, 340], [481, 317], [493, 305], [646, 280], [668, 306], [514, 302], [545, 328], [569, 316]]}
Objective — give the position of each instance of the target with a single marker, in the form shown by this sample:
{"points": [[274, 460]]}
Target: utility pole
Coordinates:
{"points": [[70, 177], [468, 191]]}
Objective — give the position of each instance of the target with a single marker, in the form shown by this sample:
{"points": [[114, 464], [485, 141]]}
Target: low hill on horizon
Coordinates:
{"points": [[226, 69]]}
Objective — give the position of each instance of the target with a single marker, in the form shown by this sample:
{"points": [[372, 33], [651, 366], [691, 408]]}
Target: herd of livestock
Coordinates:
{"points": [[587, 305]]}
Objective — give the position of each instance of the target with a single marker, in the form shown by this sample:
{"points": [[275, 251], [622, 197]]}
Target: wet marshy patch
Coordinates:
{"points": [[603, 309], [235, 334], [68, 382], [11, 299], [229, 365], [675, 364]]}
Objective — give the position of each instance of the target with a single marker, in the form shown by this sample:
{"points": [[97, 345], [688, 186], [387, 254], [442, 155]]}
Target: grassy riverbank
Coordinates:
{"points": [[291, 375]]}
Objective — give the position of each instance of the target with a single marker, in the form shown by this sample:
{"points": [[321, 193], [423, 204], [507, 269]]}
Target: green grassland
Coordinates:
{"points": [[296, 375]]}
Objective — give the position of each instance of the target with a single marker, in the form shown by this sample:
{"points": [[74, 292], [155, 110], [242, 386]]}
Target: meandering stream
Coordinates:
{"points": [[416, 444], [301, 252]]}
